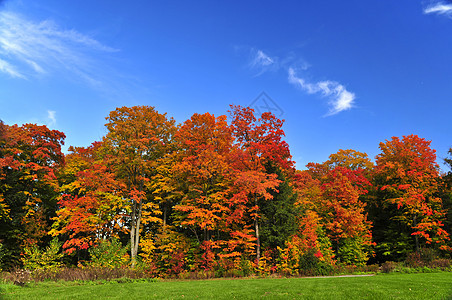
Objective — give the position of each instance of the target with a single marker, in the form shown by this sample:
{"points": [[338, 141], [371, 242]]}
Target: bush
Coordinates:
{"points": [[426, 257], [201, 274], [371, 268], [109, 254], [414, 260], [36, 259], [21, 277], [18, 277], [311, 265], [354, 251], [440, 263], [428, 254], [389, 266]]}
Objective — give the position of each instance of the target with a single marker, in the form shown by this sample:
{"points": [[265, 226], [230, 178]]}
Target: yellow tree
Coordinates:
{"points": [[138, 138], [91, 200], [350, 159]]}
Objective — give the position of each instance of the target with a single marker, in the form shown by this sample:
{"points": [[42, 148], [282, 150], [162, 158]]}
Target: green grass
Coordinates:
{"points": [[390, 286]]}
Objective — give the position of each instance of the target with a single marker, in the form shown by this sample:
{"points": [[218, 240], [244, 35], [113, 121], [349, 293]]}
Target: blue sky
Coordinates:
{"points": [[343, 74]]}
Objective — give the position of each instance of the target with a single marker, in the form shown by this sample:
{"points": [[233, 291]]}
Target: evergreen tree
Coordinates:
{"points": [[279, 215]]}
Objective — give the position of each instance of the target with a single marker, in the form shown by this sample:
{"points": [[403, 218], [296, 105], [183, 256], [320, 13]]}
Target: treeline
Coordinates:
{"points": [[214, 194]]}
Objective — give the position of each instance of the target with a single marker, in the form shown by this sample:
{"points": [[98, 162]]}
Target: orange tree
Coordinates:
{"points": [[408, 213], [344, 214], [91, 201], [30, 157], [259, 142], [202, 175], [137, 139], [331, 196]]}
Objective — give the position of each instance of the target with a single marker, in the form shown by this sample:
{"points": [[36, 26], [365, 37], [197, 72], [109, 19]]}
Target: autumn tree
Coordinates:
{"points": [[310, 238], [259, 142], [350, 159], [91, 201], [309, 197], [344, 214], [203, 171], [3, 165], [138, 138], [30, 156], [407, 179]]}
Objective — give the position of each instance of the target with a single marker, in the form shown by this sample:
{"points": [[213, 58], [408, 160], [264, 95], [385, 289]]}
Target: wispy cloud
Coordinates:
{"points": [[29, 49], [340, 98], [261, 59], [262, 62], [51, 115], [439, 8], [7, 68]]}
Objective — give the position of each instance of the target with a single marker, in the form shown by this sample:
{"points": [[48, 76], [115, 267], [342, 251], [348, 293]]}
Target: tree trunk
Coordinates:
{"points": [[258, 242], [416, 237], [135, 232], [256, 228]]}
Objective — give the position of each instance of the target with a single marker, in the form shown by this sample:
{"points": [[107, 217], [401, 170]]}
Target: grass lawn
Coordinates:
{"points": [[388, 286]]}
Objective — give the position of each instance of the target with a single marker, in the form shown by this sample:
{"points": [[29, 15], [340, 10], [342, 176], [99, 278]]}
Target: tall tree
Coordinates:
{"points": [[279, 216], [446, 191], [91, 201], [259, 141], [350, 159], [407, 177], [344, 214], [30, 156], [138, 138], [204, 173]]}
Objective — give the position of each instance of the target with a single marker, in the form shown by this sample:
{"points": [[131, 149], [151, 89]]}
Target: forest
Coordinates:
{"points": [[214, 193]]}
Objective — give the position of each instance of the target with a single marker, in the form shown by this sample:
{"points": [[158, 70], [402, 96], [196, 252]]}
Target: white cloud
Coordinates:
{"points": [[439, 8], [262, 62], [262, 59], [339, 98], [29, 48], [7, 68], [51, 115]]}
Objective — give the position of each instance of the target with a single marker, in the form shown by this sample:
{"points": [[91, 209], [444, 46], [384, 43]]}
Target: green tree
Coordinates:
{"points": [[279, 216], [446, 192]]}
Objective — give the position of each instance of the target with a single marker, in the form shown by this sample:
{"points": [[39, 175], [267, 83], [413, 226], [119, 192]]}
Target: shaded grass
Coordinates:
{"points": [[390, 286]]}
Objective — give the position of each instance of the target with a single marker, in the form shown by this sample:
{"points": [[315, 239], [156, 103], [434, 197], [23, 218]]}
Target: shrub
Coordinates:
{"points": [[36, 259], [423, 258], [110, 254], [311, 265], [266, 264], [371, 268], [90, 273], [18, 277], [414, 260], [441, 263], [354, 251], [169, 254], [428, 254], [389, 266]]}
